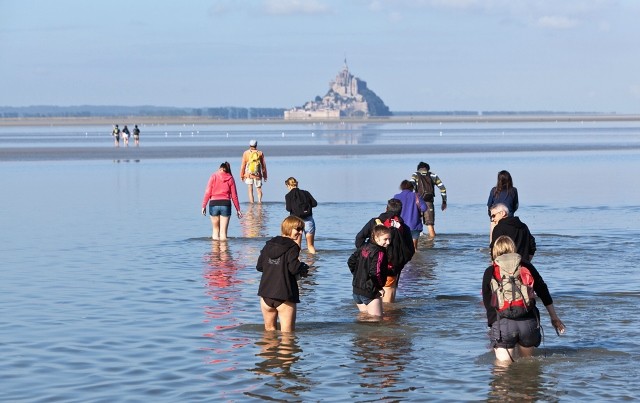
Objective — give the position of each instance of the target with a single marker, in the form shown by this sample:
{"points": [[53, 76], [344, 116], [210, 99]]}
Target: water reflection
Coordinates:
{"points": [[350, 133], [520, 381], [278, 352], [382, 355], [222, 284], [254, 220]]}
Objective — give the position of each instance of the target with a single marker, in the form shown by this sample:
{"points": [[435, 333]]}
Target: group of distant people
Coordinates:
{"points": [[125, 134], [384, 246]]}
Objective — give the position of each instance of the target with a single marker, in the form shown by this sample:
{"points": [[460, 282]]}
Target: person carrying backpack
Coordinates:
{"points": [[253, 170], [508, 288], [400, 250], [424, 182], [369, 267], [300, 203]]}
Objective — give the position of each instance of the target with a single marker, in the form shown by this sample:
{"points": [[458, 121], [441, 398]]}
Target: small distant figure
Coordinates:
{"points": [[219, 194], [281, 269], [509, 290], [300, 203], [125, 135], [116, 135], [400, 250], [413, 209], [424, 182], [369, 267], [136, 135], [503, 192], [253, 170], [514, 229]]}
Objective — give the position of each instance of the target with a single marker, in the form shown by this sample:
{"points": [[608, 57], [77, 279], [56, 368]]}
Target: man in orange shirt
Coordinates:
{"points": [[253, 170]]}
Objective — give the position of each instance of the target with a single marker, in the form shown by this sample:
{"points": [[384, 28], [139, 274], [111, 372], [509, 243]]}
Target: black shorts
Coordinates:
{"points": [[506, 333], [273, 303]]}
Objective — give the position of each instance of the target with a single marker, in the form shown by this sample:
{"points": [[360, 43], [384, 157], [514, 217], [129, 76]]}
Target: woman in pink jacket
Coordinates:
{"points": [[220, 192]]}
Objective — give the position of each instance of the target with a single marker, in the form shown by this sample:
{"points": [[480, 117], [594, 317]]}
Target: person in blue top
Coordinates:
{"points": [[503, 193], [413, 206]]}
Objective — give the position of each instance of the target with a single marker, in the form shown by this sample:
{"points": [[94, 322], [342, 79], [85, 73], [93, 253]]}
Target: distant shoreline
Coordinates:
{"points": [[130, 120]]}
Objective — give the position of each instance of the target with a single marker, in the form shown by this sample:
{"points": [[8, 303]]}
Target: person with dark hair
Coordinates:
{"points": [[514, 229], [300, 203], [400, 250], [219, 193], [136, 135], [505, 193], [281, 269], [413, 207], [116, 135], [424, 183], [509, 289]]}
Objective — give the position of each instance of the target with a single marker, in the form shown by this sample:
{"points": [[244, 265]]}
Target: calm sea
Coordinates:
{"points": [[111, 290]]}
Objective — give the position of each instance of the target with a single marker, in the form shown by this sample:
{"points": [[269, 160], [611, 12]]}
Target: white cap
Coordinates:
{"points": [[253, 143]]}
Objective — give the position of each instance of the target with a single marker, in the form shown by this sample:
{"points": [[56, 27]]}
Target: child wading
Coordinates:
{"points": [[369, 267]]}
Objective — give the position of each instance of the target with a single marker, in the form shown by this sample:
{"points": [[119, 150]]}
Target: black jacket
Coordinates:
{"points": [[300, 203], [279, 265], [519, 233], [400, 250], [368, 265]]}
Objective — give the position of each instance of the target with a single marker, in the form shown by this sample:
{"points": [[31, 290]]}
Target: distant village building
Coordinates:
{"points": [[348, 96]]}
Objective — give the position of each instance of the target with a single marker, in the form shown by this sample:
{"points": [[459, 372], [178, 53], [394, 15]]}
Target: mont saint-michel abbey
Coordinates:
{"points": [[348, 96]]}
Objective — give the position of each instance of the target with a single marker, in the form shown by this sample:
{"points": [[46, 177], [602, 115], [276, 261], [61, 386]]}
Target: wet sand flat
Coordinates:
{"points": [[181, 152]]}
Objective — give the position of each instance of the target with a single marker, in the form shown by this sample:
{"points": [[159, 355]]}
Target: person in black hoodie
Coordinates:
{"points": [[369, 268], [514, 229], [400, 250], [300, 203], [280, 267]]}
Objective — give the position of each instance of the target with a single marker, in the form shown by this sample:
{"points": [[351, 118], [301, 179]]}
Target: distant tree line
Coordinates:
{"points": [[87, 111]]}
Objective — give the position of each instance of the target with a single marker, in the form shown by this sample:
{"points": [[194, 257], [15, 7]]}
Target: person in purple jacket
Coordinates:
{"points": [[413, 207]]}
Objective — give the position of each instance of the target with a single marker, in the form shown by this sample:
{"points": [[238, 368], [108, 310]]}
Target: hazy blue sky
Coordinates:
{"points": [[566, 55]]}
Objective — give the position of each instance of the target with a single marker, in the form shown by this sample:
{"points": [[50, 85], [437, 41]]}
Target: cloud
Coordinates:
{"points": [[556, 22], [291, 7]]}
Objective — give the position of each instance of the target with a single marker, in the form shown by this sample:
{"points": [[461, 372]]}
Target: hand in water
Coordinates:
{"points": [[559, 326]]}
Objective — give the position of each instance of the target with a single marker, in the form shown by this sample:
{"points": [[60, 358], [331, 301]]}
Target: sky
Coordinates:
{"points": [[417, 55]]}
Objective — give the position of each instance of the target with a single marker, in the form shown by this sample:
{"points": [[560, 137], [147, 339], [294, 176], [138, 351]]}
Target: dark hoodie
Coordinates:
{"points": [[400, 250], [519, 233], [279, 265]]}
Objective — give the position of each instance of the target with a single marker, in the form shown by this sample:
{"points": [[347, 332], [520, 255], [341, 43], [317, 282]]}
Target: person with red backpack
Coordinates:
{"points": [[509, 289], [400, 249]]}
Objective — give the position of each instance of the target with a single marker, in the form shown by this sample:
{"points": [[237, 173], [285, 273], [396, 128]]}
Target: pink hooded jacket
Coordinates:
{"points": [[221, 186]]}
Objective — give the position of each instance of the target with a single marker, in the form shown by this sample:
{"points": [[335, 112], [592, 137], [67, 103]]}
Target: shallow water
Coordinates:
{"points": [[111, 290]]}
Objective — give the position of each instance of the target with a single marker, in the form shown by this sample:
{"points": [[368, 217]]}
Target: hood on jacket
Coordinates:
{"points": [[278, 246], [508, 262], [387, 214], [513, 222], [225, 176]]}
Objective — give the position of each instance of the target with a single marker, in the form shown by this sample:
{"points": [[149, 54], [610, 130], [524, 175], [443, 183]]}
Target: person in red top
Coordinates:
{"points": [[220, 192]]}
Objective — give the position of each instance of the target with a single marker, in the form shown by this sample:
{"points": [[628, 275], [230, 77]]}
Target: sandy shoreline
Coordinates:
{"points": [[130, 120], [217, 152]]}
